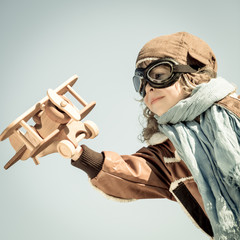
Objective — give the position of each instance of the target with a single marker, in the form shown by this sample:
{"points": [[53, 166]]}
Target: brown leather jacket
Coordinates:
{"points": [[155, 171]]}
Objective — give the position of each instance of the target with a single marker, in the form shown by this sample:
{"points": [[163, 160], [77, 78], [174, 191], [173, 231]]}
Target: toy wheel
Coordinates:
{"points": [[66, 148], [91, 128]]}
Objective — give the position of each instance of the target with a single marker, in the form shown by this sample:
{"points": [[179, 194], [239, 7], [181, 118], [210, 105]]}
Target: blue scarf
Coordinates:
{"points": [[211, 150]]}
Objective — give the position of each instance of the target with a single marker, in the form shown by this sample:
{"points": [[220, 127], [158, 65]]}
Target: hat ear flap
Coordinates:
{"points": [[196, 61]]}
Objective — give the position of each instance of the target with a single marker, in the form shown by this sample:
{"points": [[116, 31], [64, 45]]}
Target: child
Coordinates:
{"points": [[193, 135]]}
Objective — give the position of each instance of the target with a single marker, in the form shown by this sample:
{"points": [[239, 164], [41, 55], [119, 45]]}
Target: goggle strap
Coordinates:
{"points": [[183, 69]]}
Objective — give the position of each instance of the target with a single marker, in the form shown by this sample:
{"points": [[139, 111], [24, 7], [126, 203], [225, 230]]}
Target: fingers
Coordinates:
{"points": [[78, 153]]}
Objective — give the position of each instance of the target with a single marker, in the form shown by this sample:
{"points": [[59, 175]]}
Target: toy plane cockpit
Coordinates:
{"points": [[58, 126]]}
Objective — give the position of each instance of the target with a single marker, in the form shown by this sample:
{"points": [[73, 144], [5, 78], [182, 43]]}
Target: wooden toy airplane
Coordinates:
{"points": [[58, 126]]}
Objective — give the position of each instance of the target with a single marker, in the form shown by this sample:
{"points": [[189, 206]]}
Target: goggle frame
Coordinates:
{"points": [[142, 77]]}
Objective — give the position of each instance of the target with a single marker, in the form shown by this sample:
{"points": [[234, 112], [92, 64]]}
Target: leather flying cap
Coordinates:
{"points": [[183, 47]]}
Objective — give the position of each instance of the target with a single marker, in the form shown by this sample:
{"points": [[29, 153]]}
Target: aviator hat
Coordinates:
{"points": [[184, 47]]}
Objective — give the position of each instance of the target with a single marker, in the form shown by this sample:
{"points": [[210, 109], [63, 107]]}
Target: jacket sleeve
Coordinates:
{"points": [[137, 176]]}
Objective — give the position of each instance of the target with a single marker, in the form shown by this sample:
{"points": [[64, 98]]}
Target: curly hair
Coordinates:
{"points": [[188, 82]]}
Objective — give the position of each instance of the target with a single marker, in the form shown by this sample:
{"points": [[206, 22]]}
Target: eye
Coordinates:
{"points": [[159, 76], [160, 72]]}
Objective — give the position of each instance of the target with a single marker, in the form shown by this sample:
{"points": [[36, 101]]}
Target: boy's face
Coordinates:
{"points": [[160, 100]]}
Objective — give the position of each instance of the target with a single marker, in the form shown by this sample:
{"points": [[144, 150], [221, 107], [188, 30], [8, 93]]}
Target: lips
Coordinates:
{"points": [[156, 99]]}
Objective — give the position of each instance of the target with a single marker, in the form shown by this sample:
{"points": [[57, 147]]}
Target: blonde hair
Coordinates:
{"points": [[188, 82]]}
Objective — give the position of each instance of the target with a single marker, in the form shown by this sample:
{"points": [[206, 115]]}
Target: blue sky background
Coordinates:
{"points": [[42, 44]]}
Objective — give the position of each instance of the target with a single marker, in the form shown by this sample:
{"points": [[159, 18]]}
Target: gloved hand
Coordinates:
{"points": [[89, 161]]}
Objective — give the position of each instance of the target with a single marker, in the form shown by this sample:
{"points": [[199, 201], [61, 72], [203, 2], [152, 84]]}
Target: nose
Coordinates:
{"points": [[148, 88]]}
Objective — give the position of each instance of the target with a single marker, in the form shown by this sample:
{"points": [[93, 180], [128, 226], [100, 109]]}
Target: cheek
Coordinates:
{"points": [[175, 92]]}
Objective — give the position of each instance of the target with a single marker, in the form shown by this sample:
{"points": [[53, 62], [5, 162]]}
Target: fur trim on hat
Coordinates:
{"points": [[145, 59]]}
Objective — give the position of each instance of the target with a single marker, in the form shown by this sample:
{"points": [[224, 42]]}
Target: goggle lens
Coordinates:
{"points": [[137, 83], [159, 73]]}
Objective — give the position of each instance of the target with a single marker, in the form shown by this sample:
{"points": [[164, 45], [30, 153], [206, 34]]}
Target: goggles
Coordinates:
{"points": [[159, 74]]}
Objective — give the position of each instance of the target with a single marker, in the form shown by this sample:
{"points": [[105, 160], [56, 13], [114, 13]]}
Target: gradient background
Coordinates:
{"points": [[42, 44]]}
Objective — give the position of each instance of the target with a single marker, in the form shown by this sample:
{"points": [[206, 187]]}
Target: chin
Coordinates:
{"points": [[160, 113]]}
